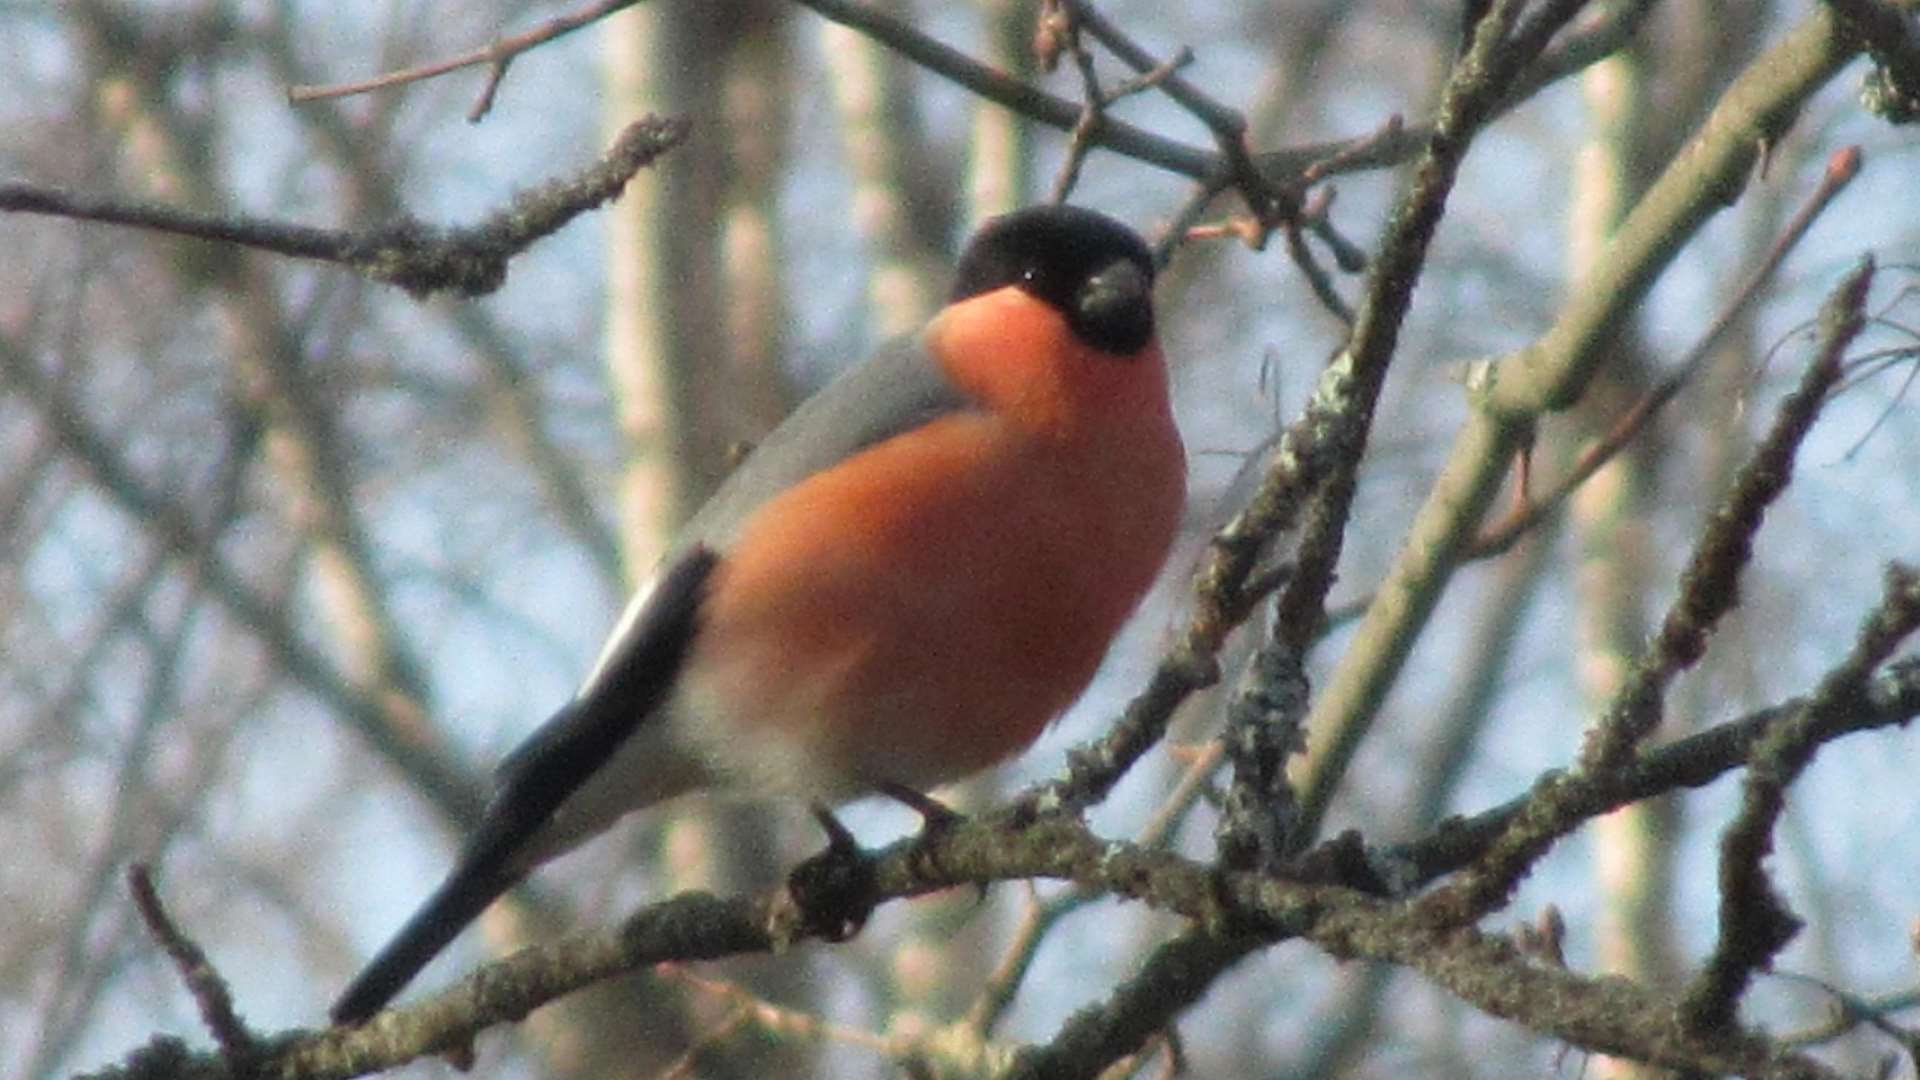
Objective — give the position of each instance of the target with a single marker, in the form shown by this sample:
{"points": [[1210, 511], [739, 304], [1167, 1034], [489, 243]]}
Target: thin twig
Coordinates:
{"points": [[496, 55], [1709, 584], [1001, 89], [1317, 278], [1373, 151], [1755, 924], [1063, 34], [1341, 718], [998, 990], [1270, 204], [1511, 395], [1842, 167], [1184, 224], [237, 1044], [776, 1019], [1852, 1010], [1695, 761]]}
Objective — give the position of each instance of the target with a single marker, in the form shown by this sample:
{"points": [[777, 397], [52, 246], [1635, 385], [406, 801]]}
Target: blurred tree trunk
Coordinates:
{"points": [[1000, 166], [1616, 569], [904, 204], [1641, 103], [697, 337]]}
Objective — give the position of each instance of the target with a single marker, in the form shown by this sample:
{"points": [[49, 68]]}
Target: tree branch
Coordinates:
{"points": [[420, 258], [1708, 590], [1510, 394]]}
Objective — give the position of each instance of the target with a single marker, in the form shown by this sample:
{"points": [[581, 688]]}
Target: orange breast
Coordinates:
{"points": [[923, 610]]}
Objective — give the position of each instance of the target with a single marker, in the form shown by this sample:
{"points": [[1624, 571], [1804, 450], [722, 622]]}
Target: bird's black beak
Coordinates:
{"points": [[1114, 309]]}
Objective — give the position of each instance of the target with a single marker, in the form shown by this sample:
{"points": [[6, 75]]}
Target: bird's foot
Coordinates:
{"points": [[834, 892], [936, 817]]}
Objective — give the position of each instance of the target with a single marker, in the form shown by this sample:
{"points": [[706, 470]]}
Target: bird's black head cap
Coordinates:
{"points": [[1096, 271]]}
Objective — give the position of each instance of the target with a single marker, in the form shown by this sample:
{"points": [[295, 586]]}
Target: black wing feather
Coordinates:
{"points": [[550, 766]]}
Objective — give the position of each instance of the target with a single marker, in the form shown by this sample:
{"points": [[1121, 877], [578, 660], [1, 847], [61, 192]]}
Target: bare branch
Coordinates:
{"points": [[1510, 395], [1886, 28], [1262, 733], [1708, 590], [496, 56], [1840, 171], [1709, 586], [419, 258], [237, 1044], [1755, 923], [697, 926]]}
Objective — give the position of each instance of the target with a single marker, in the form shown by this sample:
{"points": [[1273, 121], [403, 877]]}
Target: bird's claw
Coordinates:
{"points": [[834, 891]]}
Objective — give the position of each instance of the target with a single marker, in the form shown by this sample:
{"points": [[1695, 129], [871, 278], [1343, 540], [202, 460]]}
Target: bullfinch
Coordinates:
{"points": [[901, 585]]}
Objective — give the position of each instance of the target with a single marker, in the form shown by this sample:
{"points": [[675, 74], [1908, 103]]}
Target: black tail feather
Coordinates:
{"points": [[458, 901]]}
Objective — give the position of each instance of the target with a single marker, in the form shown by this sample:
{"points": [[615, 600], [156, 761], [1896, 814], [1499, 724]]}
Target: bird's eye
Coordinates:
{"points": [[1029, 273]]}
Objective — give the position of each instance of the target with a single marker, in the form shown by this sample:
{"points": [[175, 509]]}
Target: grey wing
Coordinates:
{"points": [[895, 390]]}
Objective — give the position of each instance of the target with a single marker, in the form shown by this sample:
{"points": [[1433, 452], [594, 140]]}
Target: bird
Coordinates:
{"points": [[901, 585]]}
